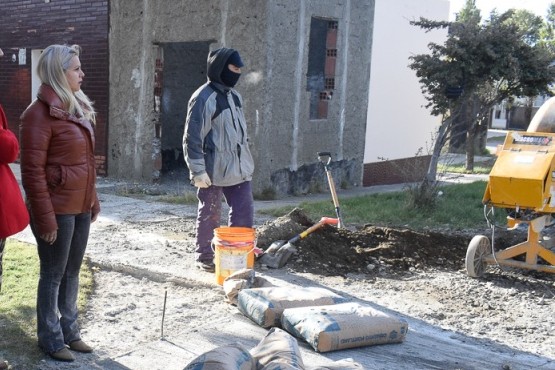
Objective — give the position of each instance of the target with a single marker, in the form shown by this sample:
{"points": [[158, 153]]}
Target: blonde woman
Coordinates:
{"points": [[59, 178]]}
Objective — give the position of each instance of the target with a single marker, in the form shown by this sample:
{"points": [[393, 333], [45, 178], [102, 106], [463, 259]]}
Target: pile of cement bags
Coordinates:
{"points": [[325, 320]]}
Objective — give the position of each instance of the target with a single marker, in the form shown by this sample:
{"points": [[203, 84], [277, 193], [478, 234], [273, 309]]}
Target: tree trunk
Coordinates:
{"points": [[440, 140], [470, 149], [474, 117], [459, 128], [438, 145], [528, 112]]}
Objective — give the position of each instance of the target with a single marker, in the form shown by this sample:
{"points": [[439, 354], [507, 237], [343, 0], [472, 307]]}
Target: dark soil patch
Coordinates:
{"points": [[370, 249]]}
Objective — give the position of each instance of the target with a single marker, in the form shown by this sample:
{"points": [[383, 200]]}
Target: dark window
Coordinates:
{"points": [[158, 84], [322, 57]]}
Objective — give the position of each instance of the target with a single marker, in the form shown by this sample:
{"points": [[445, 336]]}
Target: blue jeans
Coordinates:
{"points": [[241, 213], [58, 287]]}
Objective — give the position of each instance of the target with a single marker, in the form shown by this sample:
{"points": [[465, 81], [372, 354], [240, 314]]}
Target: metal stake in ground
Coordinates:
{"points": [[321, 156], [163, 314]]}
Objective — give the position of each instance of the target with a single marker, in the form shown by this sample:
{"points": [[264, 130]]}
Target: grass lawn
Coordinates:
{"points": [[18, 319], [458, 207]]}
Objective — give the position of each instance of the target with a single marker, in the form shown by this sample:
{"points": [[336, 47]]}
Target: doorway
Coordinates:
{"points": [[183, 66]]}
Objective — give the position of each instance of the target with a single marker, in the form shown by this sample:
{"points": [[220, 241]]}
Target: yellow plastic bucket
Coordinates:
{"points": [[233, 250]]}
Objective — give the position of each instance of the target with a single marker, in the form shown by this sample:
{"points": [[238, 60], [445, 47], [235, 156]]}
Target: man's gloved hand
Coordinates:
{"points": [[202, 180]]}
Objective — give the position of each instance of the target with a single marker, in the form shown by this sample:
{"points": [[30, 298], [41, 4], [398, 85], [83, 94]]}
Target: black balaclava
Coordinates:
{"points": [[228, 77]]}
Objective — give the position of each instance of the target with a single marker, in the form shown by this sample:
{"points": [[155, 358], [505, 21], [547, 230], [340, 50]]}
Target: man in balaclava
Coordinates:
{"points": [[216, 150]]}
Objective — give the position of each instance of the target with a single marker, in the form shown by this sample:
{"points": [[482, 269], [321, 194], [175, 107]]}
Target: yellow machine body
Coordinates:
{"points": [[521, 181], [523, 175]]}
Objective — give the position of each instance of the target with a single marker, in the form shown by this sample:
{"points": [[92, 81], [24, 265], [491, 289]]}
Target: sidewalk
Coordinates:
{"points": [[448, 178]]}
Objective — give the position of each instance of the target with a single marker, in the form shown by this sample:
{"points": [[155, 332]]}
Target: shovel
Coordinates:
{"points": [[279, 252], [331, 183]]}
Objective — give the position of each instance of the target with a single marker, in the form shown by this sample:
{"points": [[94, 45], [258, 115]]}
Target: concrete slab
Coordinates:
{"points": [[425, 347]]}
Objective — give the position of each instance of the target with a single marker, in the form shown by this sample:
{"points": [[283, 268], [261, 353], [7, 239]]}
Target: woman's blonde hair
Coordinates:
{"points": [[52, 65]]}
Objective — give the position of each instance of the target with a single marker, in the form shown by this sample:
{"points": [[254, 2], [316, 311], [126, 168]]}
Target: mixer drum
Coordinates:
{"points": [[544, 119]]}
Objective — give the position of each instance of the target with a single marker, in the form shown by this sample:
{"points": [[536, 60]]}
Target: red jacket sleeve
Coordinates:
{"points": [[8, 141]]}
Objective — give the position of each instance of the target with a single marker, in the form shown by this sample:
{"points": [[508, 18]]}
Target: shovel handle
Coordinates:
{"points": [[316, 226], [331, 184], [329, 220], [329, 176]]}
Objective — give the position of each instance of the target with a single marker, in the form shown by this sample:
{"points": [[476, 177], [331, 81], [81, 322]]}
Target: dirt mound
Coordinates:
{"points": [[369, 249]]}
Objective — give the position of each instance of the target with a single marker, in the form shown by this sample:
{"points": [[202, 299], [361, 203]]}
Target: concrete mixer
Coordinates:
{"points": [[522, 182]]}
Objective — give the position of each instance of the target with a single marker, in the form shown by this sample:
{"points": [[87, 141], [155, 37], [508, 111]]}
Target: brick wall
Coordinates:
{"points": [[35, 24], [396, 171]]}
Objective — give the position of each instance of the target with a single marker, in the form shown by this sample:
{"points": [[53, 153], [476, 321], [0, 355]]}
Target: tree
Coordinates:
{"points": [[480, 65]]}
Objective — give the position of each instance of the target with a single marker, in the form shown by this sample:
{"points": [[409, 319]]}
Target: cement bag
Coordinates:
{"points": [[229, 357], [239, 280], [265, 305], [278, 350], [279, 366], [347, 325], [345, 364]]}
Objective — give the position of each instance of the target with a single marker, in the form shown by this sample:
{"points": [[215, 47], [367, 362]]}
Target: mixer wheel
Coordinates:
{"points": [[478, 247]]}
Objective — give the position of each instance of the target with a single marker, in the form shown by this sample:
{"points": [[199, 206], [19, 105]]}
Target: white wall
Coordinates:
{"points": [[35, 80], [397, 123]]}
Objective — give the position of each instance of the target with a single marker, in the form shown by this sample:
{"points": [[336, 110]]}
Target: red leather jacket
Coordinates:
{"points": [[13, 214], [57, 161]]}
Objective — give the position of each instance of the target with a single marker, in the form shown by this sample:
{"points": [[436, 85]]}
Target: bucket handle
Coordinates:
{"points": [[213, 245], [253, 250]]}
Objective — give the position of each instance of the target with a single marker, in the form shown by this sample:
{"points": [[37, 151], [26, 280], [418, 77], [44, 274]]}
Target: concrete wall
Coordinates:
{"points": [[272, 37], [398, 125]]}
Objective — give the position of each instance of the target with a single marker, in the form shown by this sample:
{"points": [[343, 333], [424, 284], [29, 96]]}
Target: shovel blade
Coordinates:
{"points": [[275, 246], [279, 258]]}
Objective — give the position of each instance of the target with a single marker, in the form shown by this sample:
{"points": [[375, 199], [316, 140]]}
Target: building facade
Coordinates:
{"points": [[304, 84], [30, 26], [400, 130]]}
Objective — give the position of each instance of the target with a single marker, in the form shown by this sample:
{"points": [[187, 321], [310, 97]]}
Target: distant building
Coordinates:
{"points": [[516, 115]]}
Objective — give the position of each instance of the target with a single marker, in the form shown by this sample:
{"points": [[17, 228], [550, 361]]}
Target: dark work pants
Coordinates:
{"points": [[241, 213]]}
